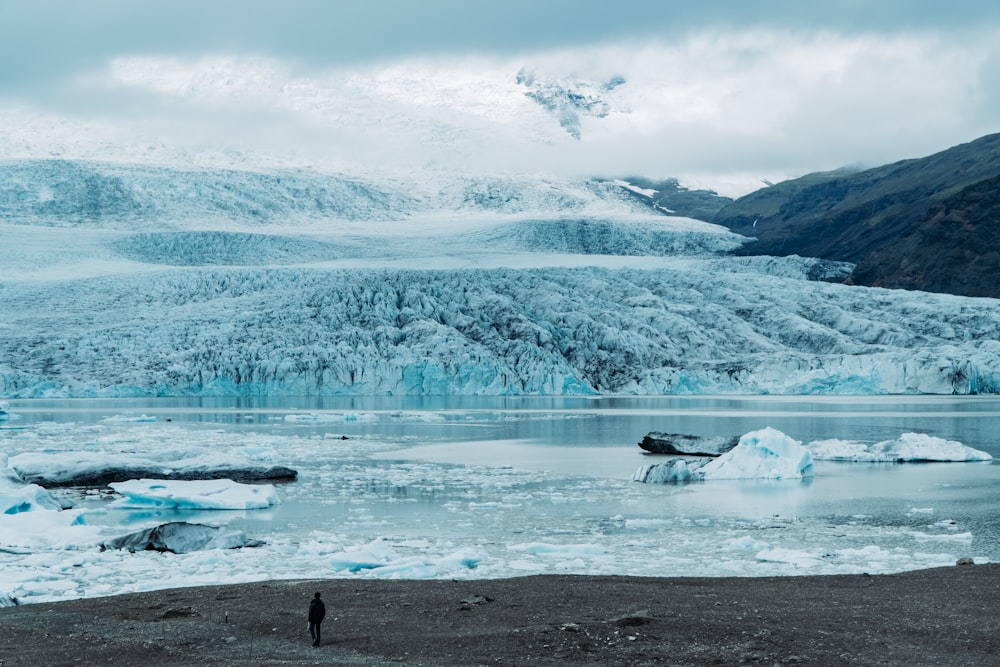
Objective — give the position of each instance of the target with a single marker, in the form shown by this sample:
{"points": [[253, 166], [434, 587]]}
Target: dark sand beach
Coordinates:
{"points": [[943, 616]]}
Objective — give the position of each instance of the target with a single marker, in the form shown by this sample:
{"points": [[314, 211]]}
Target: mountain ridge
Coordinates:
{"points": [[906, 225]]}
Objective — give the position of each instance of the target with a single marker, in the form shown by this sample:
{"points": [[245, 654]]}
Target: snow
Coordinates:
{"points": [[223, 494], [907, 447]]}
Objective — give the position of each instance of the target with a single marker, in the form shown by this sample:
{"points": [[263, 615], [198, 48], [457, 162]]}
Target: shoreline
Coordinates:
{"points": [[939, 616]]}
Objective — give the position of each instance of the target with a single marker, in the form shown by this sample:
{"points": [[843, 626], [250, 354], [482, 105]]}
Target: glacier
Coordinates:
{"points": [[125, 280]]}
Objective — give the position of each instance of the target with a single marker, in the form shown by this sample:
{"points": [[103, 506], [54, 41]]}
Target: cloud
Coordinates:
{"points": [[736, 105]]}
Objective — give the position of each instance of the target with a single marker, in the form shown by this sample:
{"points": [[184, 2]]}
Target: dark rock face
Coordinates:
{"points": [[955, 248], [671, 196], [687, 445], [106, 476], [181, 537], [929, 224]]}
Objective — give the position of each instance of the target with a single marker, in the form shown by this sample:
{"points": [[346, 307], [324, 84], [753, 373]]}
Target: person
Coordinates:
{"points": [[317, 610]]}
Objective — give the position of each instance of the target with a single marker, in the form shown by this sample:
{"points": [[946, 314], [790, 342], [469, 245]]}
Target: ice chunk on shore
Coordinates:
{"points": [[215, 494], [764, 454], [907, 447]]}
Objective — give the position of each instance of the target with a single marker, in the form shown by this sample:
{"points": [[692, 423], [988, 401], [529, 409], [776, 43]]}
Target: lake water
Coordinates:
{"points": [[533, 485]]}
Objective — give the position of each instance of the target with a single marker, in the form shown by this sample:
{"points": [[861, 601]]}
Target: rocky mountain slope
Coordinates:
{"points": [[925, 224]]}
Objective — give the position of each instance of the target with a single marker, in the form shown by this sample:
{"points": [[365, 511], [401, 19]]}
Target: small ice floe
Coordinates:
{"points": [[764, 454], [321, 417], [908, 447], [379, 559], [17, 496], [32, 518], [212, 494], [45, 529], [122, 419]]}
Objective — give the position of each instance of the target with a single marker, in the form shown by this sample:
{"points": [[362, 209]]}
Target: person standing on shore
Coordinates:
{"points": [[317, 611]]}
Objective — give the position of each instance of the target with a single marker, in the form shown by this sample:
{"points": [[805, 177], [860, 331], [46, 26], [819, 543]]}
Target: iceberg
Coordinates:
{"points": [[221, 494], [180, 537], [764, 454], [17, 496], [32, 518], [913, 447], [45, 529], [83, 468]]}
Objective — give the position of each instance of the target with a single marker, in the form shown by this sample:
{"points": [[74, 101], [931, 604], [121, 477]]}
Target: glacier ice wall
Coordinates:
{"points": [[296, 331]]}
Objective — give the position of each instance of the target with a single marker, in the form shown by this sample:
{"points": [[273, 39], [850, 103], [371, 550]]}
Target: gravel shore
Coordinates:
{"points": [[943, 616]]}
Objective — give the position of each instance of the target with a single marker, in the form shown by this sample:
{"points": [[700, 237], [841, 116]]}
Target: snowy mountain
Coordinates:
{"points": [[129, 280]]}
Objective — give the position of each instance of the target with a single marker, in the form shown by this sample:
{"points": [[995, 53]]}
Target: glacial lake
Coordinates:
{"points": [[527, 485]]}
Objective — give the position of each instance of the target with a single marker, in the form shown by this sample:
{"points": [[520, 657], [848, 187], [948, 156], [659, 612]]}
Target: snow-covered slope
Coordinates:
{"points": [[126, 280], [134, 196]]}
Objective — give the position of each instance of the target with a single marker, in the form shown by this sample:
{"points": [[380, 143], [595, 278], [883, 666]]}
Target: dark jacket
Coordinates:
{"points": [[317, 610]]}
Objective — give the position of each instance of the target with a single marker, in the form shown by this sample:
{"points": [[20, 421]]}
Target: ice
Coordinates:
{"points": [[16, 496], [46, 529], [96, 468], [560, 550], [770, 454], [907, 447], [331, 417], [800, 559], [353, 514], [181, 537], [380, 560], [128, 418], [216, 494], [219, 282], [764, 454]]}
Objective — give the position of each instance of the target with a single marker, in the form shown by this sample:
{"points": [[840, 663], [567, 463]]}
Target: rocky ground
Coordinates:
{"points": [[946, 616]]}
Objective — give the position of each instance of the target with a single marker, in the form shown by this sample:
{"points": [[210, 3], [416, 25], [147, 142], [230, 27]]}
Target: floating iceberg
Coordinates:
{"points": [[45, 529], [216, 494], [81, 468], [907, 447], [180, 537], [16, 496], [764, 454]]}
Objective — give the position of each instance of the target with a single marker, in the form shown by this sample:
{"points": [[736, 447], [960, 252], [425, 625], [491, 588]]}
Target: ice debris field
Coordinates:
{"points": [[395, 518]]}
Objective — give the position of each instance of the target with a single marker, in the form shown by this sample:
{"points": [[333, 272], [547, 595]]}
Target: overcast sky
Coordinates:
{"points": [[729, 90]]}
